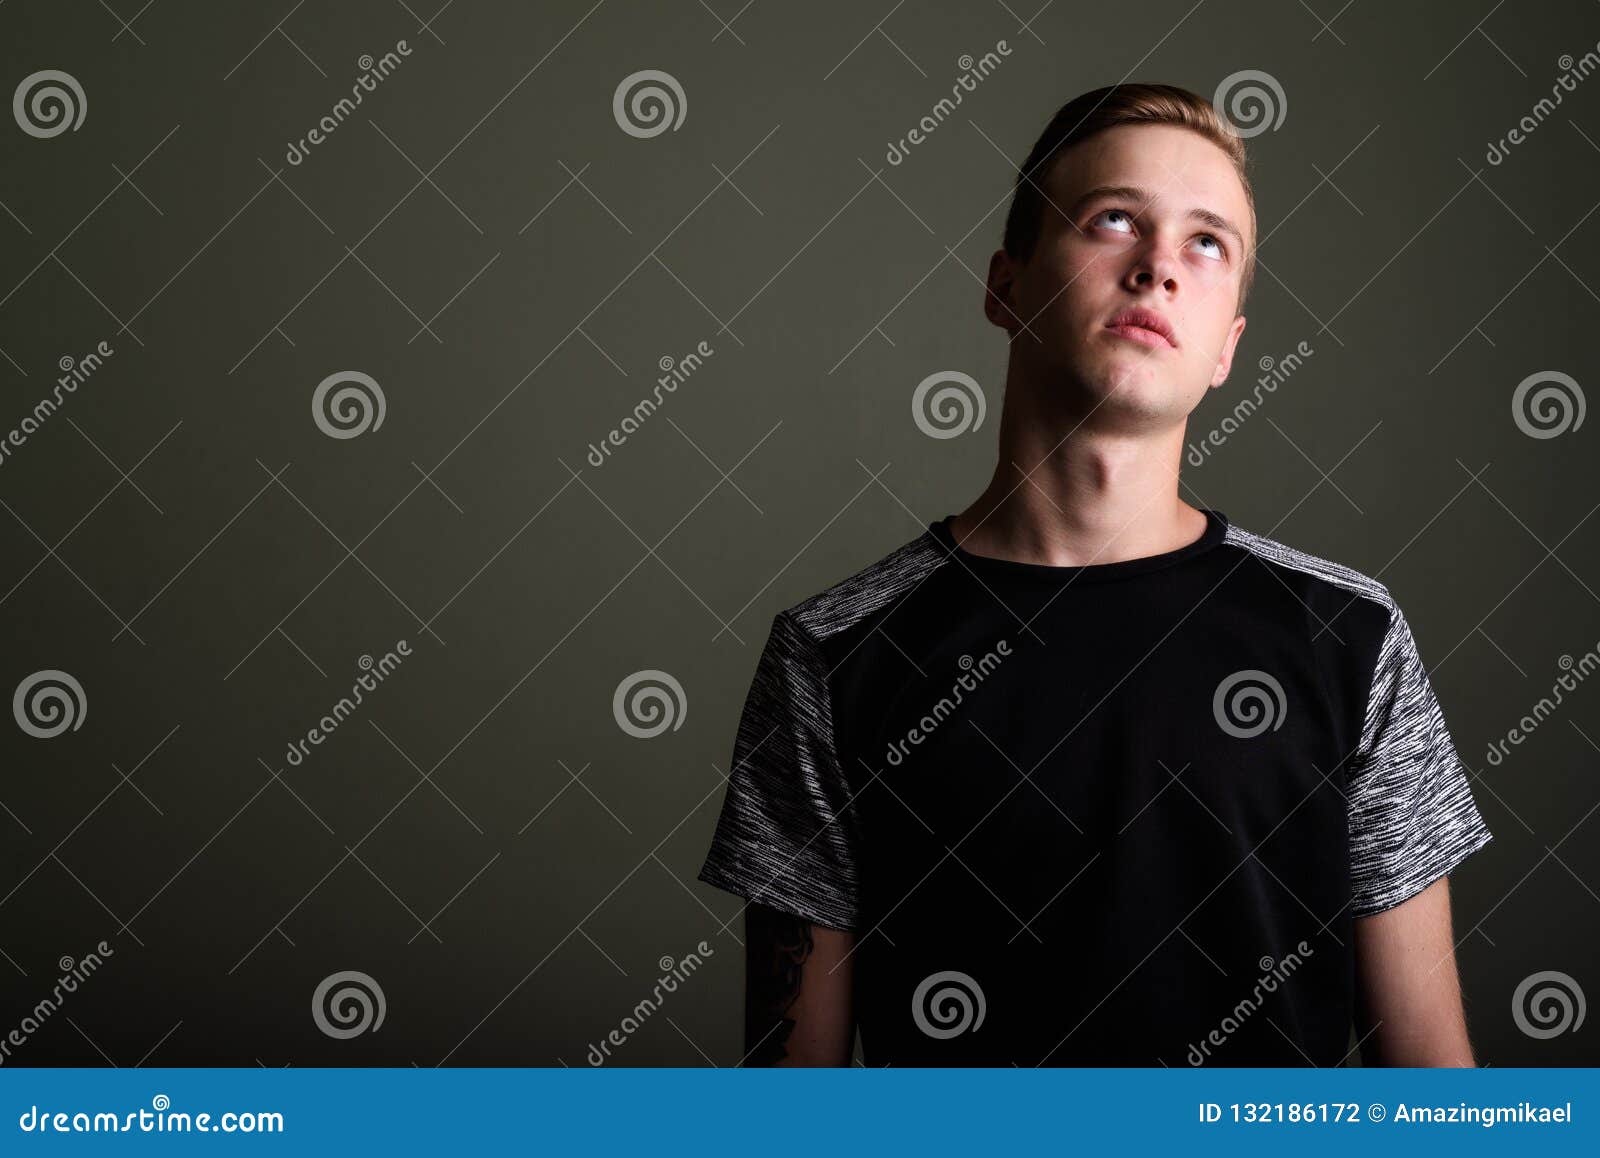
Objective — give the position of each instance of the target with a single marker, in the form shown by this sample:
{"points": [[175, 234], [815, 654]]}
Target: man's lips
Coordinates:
{"points": [[1143, 325], [1141, 335]]}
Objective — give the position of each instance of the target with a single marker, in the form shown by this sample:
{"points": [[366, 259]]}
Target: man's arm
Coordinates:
{"points": [[798, 1007], [1409, 996]]}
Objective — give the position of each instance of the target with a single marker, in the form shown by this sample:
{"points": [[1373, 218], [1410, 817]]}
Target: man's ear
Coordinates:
{"points": [[999, 305], [1225, 362]]}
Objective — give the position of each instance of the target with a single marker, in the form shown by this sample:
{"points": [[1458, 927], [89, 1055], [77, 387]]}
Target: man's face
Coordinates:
{"points": [[1149, 217]]}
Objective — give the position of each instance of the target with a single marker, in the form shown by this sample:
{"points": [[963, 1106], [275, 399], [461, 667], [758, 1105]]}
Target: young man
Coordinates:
{"points": [[1085, 775]]}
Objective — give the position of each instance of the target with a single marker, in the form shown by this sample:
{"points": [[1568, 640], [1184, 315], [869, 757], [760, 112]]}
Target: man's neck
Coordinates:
{"points": [[1080, 496]]}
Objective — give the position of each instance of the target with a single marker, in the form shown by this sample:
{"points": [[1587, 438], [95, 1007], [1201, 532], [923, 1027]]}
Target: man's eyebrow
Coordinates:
{"points": [[1143, 196]]}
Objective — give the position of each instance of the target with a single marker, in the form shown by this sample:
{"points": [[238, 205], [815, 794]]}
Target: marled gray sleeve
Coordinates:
{"points": [[1412, 814], [786, 837]]}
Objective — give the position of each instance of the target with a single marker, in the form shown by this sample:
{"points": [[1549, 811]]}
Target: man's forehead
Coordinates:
{"points": [[1177, 171]]}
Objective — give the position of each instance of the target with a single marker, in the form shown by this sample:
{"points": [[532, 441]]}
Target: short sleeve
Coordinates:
{"points": [[1412, 815], [787, 836]]}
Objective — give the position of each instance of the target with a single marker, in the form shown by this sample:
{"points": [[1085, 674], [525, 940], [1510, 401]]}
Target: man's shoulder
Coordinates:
{"points": [[854, 599], [1313, 571]]}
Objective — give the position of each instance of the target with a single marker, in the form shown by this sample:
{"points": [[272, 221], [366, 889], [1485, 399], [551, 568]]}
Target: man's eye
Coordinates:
{"points": [[1216, 251], [1107, 214]]}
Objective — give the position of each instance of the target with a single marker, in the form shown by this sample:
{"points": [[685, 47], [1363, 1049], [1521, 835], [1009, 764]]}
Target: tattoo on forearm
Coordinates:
{"points": [[778, 945]]}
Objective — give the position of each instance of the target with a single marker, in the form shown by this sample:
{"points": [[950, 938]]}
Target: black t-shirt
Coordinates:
{"points": [[1115, 814]]}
